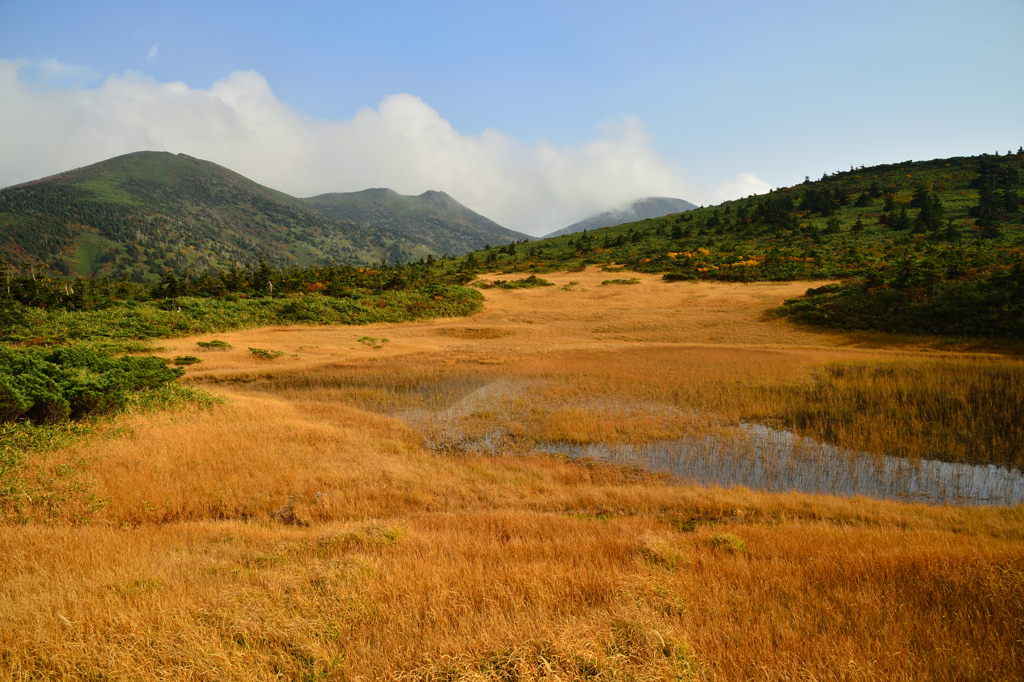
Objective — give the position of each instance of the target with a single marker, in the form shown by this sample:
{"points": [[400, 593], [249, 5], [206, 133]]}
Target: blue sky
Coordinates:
{"points": [[701, 99]]}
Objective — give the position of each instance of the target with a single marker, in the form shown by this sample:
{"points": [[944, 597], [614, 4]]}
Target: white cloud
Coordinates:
{"points": [[403, 144], [47, 74], [151, 57], [743, 185]]}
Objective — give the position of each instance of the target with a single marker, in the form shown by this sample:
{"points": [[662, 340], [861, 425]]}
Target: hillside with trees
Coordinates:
{"points": [[143, 214], [920, 246]]}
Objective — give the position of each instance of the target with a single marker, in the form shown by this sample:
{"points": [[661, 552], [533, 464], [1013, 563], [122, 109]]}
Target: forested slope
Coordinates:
{"points": [[141, 214], [930, 246], [432, 219]]}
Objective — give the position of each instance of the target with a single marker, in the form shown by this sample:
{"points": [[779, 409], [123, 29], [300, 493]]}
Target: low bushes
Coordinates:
{"points": [[51, 386], [987, 304]]}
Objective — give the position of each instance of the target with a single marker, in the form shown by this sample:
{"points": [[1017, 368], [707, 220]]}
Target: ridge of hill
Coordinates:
{"points": [[432, 219], [641, 209], [920, 246]]}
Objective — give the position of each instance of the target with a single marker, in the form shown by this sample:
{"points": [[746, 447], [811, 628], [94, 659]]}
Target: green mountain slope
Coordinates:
{"points": [[433, 219], [928, 246], [648, 207], [143, 213]]}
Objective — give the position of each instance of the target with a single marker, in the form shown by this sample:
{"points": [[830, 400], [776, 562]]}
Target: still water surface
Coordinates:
{"points": [[750, 455], [761, 458]]}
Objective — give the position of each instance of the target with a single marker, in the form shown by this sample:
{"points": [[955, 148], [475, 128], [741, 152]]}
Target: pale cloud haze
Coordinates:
{"points": [[403, 144], [151, 57]]}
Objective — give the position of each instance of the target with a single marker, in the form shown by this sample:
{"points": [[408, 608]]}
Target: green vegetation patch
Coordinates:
{"points": [[263, 354], [185, 316], [631, 280], [51, 386], [925, 300], [530, 282], [215, 344], [372, 342]]}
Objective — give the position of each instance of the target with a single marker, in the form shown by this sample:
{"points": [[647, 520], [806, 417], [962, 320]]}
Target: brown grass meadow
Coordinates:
{"points": [[358, 513]]}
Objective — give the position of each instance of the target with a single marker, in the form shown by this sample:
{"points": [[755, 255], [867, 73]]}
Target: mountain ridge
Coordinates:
{"points": [[433, 218]]}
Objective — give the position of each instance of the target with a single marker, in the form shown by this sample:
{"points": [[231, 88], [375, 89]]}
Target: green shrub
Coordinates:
{"points": [[530, 282], [72, 382], [372, 342], [186, 360], [215, 344], [679, 277], [631, 280], [727, 542], [263, 354]]}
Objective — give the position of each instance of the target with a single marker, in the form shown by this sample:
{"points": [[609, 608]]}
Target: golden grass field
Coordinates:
{"points": [[162, 556]]}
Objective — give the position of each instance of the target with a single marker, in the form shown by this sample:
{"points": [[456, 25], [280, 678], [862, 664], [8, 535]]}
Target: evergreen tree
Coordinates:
{"points": [[930, 215], [901, 222], [986, 212]]}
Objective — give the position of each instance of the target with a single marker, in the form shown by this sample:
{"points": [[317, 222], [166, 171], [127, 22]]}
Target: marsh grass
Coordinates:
{"points": [[950, 409], [417, 565], [44, 478], [956, 409]]}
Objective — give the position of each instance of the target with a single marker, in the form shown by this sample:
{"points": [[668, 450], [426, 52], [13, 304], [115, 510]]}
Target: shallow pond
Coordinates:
{"points": [[750, 455], [761, 458]]}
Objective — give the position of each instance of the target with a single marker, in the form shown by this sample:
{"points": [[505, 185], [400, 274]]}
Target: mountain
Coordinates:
{"points": [[139, 214], [641, 209], [432, 219]]}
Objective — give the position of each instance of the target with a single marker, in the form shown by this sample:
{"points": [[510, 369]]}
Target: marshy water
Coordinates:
{"points": [[486, 417], [761, 458]]}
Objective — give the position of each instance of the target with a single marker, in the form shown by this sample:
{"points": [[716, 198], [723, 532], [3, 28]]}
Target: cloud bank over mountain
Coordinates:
{"points": [[48, 126]]}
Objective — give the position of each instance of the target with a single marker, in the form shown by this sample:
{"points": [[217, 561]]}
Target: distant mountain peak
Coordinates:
{"points": [[641, 209]]}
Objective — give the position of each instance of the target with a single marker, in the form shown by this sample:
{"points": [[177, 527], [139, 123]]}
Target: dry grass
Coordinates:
{"points": [[410, 565]]}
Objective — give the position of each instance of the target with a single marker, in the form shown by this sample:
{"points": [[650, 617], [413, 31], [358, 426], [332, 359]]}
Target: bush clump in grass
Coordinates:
{"points": [[215, 344], [182, 360], [530, 282], [631, 280], [372, 342], [679, 277], [263, 354], [727, 542]]}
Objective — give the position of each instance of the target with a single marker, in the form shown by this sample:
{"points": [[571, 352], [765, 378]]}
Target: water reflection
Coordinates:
{"points": [[761, 458], [474, 416]]}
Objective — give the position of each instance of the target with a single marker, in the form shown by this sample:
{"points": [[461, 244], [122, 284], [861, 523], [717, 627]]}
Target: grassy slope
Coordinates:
{"points": [[164, 210], [432, 218]]}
